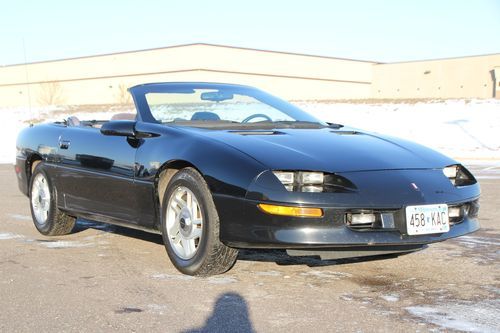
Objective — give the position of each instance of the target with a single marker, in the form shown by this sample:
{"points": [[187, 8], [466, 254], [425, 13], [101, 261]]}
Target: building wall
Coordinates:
{"points": [[102, 79], [467, 77]]}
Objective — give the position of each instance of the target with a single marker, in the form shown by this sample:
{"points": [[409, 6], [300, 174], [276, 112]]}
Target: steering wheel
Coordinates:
{"points": [[256, 115]]}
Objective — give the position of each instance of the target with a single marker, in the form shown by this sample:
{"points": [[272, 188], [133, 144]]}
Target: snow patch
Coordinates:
{"points": [[479, 240], [20, 217], [390, 298], [172, 277], [476, 317], [9, 235], [221, 280], [327, 274], [268, 273], [157, 308], [64, 244], [181, 277], [346, 297]]}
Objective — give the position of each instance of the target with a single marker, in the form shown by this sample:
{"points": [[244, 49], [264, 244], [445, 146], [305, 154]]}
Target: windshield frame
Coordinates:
{"points": [[144, 112]]}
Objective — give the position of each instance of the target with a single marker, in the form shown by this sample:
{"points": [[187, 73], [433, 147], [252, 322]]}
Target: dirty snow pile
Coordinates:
{"points": [[467, 130]]}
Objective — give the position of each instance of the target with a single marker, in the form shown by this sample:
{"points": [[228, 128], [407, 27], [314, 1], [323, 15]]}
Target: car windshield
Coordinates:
{"points": [[224, 106]]}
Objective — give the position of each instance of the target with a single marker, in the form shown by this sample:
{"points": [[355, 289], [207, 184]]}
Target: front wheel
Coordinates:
{"points": [[190, 227]]}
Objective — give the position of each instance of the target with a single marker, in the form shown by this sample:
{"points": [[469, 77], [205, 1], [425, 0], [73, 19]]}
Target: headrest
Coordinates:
{"points": [[123, 116], [205, 116]]}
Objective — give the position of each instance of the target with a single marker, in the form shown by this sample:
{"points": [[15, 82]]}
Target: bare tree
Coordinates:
{"points": [[123, 96], [51, 93]]}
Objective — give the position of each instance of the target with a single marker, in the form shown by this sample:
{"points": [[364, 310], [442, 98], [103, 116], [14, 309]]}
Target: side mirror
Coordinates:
{"points": [[119, 128]]}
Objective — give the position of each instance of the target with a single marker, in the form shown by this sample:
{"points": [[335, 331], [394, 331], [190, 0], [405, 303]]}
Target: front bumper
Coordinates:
{"points": [[243, 225]]}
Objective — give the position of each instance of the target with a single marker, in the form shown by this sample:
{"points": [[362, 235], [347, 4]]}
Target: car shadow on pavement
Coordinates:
{"points": [[83, 224], [280, 257], [230, 314]]}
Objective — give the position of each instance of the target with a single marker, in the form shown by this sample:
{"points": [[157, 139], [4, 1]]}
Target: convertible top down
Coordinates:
{"points": [[218, 167]]}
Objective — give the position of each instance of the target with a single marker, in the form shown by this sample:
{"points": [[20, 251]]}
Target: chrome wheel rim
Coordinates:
{"points": [[184, 222], [40, 198]]}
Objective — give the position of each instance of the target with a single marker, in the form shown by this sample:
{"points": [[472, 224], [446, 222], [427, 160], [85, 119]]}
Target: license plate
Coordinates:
{"points": [[427, 219]]}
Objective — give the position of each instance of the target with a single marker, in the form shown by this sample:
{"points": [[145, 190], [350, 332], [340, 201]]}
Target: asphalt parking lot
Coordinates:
{"points": [[106, 278]]}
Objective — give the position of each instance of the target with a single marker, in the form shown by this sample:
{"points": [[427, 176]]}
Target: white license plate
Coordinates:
{"points": [[427, 219]]}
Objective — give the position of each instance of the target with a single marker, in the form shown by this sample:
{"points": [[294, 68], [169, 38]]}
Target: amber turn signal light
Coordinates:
{"points": [[291, 211]]}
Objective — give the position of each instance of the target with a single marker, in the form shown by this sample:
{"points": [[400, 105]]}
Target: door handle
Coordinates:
{"points": [[64, 144]]}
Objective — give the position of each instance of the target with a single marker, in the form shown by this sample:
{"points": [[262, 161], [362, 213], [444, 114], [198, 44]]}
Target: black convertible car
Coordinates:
{"points": [[218, 167]]}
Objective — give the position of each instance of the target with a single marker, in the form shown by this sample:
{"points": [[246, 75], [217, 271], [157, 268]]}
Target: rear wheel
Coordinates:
{"points": [[190, 227], [48, 219]]}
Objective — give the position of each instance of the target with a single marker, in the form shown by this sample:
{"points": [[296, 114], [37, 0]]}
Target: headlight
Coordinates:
{"points": [[285, 177], [301, 181], [311, 188], [311, 178], [314, 181], [459, 175], [450, 172]]}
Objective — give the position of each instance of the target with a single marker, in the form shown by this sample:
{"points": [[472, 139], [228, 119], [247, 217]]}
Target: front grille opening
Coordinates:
{"points": [[362, 220], [369, 220], [458, 213]]}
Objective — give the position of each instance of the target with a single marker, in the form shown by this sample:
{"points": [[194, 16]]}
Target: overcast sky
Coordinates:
{"points": [[378, 30]]}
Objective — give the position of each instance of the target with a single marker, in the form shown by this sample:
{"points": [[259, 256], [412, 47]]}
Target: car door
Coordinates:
{"points": [[97, 174]]}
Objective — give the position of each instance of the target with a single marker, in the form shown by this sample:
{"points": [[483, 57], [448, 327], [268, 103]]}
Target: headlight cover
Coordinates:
{"points": [[314, 181], [459, 175], [285, 177]]}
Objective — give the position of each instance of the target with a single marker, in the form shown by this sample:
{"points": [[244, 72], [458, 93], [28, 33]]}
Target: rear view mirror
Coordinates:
{"points": [[119, 128], [216, 96]]}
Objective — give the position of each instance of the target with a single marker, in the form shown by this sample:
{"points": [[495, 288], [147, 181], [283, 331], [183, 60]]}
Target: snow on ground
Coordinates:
{"points": [[467, 130], [475, 317], [463, 129]]}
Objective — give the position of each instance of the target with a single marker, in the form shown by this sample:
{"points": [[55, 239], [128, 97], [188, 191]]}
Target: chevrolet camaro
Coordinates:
{"points": [[219, 167]]}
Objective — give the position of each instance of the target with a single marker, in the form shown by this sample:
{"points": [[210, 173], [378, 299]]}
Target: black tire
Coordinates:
{"points": [[211, 256], [57, 222]]}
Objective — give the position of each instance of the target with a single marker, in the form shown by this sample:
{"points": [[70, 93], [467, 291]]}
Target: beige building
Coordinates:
{"points": [[467, 77], [103, 79]]}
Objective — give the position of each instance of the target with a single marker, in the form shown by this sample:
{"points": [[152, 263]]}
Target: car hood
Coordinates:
{"points": [[329, 150]]}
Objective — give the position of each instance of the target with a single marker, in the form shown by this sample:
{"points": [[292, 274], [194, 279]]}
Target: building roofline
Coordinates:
{"points": [[186, 45], [438, 59], [247, 49]]}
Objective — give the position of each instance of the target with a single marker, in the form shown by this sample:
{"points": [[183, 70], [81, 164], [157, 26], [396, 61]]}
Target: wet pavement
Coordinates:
{"points": [[107, 278]]}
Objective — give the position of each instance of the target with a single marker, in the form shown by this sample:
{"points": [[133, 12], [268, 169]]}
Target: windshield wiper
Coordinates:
{"points": [[296, 122], [307, 124]]}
